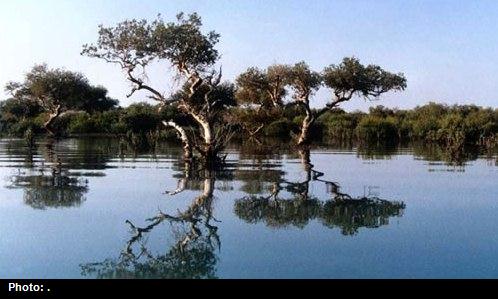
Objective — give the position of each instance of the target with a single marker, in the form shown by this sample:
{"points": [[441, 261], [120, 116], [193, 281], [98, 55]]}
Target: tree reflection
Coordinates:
{"points": [[56, 190], [341, 210], [195, 241], [450, 157], [50, 185], [193, 254], [351, 214]]}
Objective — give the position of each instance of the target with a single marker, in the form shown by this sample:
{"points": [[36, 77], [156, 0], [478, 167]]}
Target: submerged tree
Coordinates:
{"points": [[57, 91], [348, 79], [351, 78], [134, 45], [304, 83]]}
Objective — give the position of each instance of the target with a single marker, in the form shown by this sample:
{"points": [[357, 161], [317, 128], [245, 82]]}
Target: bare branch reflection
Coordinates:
{"points": [[193, 254]]}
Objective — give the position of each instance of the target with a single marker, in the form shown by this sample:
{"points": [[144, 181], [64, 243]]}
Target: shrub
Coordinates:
{"points": [[281, 128], [80, 124], [339, 127], [140, 118], [373, 128], [20, 128]]}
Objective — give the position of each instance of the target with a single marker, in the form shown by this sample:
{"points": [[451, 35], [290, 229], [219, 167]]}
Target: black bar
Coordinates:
{"points": [[68, 288]]}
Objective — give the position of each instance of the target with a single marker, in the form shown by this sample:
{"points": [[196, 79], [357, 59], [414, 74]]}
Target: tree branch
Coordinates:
{"points": [[140, 85]]}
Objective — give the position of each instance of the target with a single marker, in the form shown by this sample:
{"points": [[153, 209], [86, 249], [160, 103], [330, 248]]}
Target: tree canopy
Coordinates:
{"points": [[350, 78], [265, 88], [50, 88], [135, 43], [59, 90]]}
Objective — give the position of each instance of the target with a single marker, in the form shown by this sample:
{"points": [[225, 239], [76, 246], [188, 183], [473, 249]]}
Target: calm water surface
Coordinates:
{"points": [[84, 208]]}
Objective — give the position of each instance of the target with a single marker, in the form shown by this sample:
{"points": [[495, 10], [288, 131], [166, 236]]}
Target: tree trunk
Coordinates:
{"points": [[208, 187], [208, 149], [305, 155], [304, 137], [52, 117], [187, 146]]}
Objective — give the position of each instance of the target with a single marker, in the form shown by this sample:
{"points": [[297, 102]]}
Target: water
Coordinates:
{"points": [[81, 209]]}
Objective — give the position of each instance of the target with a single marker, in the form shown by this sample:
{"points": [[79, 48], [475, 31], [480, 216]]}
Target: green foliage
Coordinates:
{"points": [[52, 88], [303, 81], [81, 123], [138, 42], [280, 128], [19, 128], [339, 126], [351, 77], [14, 109], [265, 88], [374, 128], [452, 126], [140, 118]]}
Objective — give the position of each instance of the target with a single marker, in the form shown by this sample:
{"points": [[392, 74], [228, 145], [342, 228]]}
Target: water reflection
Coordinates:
{"points": [[341, 210], [55, 174], [193, 253], [435, 154], [47, 184], [54, 190], [292, 193]]}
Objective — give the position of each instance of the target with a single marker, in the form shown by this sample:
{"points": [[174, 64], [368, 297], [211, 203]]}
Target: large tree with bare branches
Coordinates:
{"points": [[135, 44]]}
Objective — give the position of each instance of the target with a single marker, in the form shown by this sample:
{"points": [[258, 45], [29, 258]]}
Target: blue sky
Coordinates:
{"points": [[448, 50]]}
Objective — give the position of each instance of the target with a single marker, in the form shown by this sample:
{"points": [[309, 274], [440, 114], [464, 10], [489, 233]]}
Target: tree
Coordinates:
{"points": [[304, 83], [263, 89], [96, 100], [193, 254], [14, 109], [342, 210], [134, 45], [56, 91], [350, 78]]}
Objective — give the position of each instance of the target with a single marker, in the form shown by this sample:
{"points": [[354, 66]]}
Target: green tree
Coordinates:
{"points": [[56, 91], [134, 44], [264, 88], [351, 78], [304, 82]]}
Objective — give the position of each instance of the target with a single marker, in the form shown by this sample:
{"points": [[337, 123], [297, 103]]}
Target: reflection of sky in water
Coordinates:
{"points": [[447, 229]]}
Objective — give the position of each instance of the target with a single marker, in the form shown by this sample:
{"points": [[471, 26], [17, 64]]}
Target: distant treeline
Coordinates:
{"points": [[439, 123], [452, 126]]}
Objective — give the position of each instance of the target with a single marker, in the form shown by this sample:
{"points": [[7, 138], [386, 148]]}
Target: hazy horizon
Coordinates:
{"points": [[446, 49]]}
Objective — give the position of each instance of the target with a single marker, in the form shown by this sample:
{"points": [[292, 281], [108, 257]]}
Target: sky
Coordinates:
{"points": [[448, 50]]}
